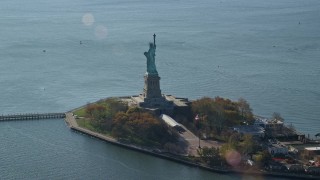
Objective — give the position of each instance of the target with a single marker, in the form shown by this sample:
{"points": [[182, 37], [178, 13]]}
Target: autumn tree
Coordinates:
{"points": [[102, 113], [216, 114], [142, 128], [245, 111], [98, 114], [93, 109], [115, 105], [119, 128]]}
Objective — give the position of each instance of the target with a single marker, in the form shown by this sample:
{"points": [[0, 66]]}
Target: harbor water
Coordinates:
{"points": [[60, 54]]}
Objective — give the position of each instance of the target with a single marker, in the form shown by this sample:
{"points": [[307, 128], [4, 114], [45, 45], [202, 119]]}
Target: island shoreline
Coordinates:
{"points": [[72, 124]]}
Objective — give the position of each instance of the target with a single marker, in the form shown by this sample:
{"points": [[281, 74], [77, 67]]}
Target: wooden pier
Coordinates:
{"points": [[32, 116]]}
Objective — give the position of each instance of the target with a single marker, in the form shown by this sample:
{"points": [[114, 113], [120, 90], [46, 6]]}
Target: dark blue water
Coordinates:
{"points": [[47, 149], [264, 51], [55, 152]]}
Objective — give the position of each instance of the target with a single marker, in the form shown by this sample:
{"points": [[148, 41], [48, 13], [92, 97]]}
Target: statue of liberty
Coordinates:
{"points": [[151, 64]]}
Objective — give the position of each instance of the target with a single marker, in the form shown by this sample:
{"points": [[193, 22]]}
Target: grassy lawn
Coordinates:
{"points": [[80, 112], [84, 123]]}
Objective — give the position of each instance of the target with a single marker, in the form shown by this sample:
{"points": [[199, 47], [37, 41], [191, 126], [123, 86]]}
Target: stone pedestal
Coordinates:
{"points": [[151, 86], [151, 98]]}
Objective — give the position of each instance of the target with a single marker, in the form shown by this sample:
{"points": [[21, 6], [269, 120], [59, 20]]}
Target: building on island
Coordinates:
{"points": [[172, 123], [312, 150], [253, 130], [276, 129], [269, 125], [277, 149]]}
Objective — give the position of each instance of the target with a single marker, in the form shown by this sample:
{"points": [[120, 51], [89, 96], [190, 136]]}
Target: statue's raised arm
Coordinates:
{"points": [[150, 55]]}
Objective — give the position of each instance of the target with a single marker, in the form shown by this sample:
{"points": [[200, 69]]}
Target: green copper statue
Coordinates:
{"points": [[151, 65]]}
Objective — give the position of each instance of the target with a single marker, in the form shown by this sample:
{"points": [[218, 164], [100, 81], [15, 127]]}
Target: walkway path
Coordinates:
{"points": [[71, 121], [193, 141]]}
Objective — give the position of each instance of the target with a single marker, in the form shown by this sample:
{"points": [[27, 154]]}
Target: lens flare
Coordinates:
{"points": [[88, 19], [233, 158]]}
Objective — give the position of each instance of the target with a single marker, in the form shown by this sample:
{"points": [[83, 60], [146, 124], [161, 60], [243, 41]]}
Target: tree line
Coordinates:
{"points": [[129, 124]]}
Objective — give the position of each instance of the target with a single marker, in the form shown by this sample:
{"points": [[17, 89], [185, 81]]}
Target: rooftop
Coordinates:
{"points": [[312, 148], [168, 120], [262, 120], [177, 101], [249, 129]]}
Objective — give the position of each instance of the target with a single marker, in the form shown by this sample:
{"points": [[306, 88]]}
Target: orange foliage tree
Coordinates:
{"points": [[142, 127], [217, 114]]}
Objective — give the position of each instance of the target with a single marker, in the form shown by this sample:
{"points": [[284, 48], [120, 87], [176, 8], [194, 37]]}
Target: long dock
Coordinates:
{"points": [[32, 116]]}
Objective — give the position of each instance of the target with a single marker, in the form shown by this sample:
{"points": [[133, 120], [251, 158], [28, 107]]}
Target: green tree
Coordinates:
{"points": [[231, 144], [218, 113], [211, 156], [248, 144], [245, 110], [262, 157]]}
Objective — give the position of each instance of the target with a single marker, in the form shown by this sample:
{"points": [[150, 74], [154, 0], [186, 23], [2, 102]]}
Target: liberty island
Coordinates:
{"points": [[139, 113]]}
